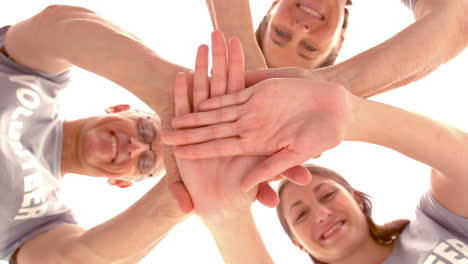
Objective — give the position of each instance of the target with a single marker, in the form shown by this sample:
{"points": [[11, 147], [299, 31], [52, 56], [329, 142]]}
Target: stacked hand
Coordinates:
{"points": [[289, 120], [214, 183]]}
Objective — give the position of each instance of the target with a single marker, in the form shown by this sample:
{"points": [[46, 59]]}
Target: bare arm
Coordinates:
{"points": [[235, 20], [62, 36], [125, 238], [237, 238], [439, 34], [438, 145]]}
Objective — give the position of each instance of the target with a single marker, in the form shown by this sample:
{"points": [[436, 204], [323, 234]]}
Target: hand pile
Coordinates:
{"points": [[231, 141]]}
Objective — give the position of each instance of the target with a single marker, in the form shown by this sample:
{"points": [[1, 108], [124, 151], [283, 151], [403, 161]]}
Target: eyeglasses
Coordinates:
{"points": [[147, 134]]}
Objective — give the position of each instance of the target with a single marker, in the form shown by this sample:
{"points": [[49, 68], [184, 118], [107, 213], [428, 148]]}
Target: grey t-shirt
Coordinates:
{"points": [[435, 236], [30, 153]]}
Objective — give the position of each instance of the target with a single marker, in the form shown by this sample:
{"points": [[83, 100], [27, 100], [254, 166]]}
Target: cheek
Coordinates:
{"points": [[303, 233]]}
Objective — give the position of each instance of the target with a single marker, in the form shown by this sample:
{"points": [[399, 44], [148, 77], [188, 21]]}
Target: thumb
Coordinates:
{"points": [[267, 196], [180, 194], [272, 166], [298, 175], [175, 184], [253, 77]]}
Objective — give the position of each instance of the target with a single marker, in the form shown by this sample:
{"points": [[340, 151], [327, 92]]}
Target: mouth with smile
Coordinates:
{"points": [[310, 11], [331, 230], [114, 147], [120, 147]]}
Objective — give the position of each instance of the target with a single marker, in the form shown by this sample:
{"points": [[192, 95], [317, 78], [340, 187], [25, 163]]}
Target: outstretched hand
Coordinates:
{"points": [[290, 120], [214, 184]]}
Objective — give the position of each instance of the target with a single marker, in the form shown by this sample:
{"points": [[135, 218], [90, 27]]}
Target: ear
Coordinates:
{"points": [[119, 183], [117, 108], [359, 201], [297, 244]]}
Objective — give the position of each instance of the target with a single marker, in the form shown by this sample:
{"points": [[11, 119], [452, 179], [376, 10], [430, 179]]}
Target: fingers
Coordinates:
{"points": [[231, 99], [219, 70], [182, 106], [223, 115], [267, 196], [212, 149], [253, 77], [201, 88], [199, 135], [236, 66], [272, 166], [298, 175]]}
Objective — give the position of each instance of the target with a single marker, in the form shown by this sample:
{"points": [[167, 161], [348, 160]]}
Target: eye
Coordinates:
{"points": [[328, 196], [309, 47], [146, 130], [281, 33], [301, 215], [147, 162]]}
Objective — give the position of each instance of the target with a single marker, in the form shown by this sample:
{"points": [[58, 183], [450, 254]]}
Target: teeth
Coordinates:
{"points": [[311, 11], [114, 147], [329, 232]]}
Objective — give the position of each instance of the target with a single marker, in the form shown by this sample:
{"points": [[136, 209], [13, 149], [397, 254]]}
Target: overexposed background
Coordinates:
{"points": [[174, 29]]}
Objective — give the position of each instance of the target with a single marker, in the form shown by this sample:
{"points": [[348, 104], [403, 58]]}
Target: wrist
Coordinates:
{"points": [[360, 123], [161, 204], [223, 218]]}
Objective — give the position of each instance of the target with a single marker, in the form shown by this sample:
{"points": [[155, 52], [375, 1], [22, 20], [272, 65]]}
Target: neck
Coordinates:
{"points": [[369, 252], [70, 143]]}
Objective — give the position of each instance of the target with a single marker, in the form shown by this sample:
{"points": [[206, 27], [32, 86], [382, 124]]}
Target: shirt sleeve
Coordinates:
{"points": [[7, 65], [453, 223], [47, 223]]}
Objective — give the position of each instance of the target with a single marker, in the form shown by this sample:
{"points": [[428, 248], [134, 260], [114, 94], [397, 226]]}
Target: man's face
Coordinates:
{"points": [[302, 33], [124, 146]]}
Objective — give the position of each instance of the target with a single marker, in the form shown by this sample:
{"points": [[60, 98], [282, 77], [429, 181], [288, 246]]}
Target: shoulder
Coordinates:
{"points": [[442, 217], [10, 67]]}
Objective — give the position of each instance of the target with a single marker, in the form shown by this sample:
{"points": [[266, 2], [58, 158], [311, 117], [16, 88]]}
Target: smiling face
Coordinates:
{"points": [[303, 33], [123, 146], [324, 218]]}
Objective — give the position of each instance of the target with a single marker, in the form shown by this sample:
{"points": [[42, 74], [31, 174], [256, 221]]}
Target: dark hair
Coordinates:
{"points": [[384, 234], [329, 60]]}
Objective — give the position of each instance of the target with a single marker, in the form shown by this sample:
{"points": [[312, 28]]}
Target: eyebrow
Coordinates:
{"points": [[276, 41], [316, 189]]}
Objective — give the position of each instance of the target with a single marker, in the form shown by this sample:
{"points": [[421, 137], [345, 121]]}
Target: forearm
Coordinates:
{"points": [[235, 20], [438, 35], [237, 238], [62, 36], [129, 236], [433, 143]]}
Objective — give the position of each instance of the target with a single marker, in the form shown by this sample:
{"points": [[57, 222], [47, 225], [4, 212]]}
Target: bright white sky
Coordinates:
{"points": [[174, 29]]}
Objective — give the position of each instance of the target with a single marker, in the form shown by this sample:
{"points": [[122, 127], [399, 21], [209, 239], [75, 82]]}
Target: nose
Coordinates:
{"points": [[322, 214], [301, 25], [136, 147]]}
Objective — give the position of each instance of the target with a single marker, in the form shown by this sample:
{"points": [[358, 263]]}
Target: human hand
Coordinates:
{"points": [[214, 184], [292, 120]]}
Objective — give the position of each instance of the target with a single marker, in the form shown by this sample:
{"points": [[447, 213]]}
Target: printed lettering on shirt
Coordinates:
{"points": [[451, 251], [34, 199]]}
